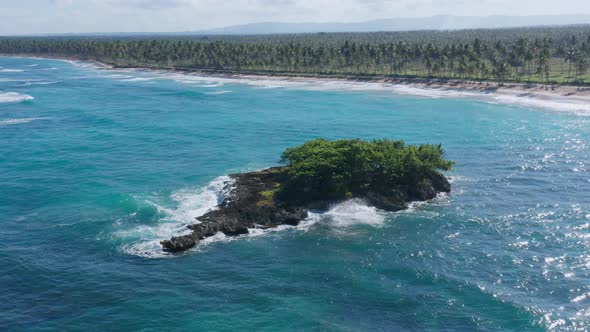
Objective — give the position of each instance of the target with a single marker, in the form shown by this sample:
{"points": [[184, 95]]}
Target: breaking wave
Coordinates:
{"points": [[351, 213], [572, 104], [144, 240], [216, 93], [39, 83], [13, 97], [118, 76], [18, 80], [8, 70], [576, 105], [19, 121], [138, 79], [563, 104], [217, 85]]}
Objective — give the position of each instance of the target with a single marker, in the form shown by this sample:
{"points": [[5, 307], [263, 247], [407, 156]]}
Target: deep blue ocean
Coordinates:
{"points": [[97, 166]]}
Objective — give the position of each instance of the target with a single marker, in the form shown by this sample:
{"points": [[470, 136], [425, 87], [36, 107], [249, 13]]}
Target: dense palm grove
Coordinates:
{"points": [[543, 55]]}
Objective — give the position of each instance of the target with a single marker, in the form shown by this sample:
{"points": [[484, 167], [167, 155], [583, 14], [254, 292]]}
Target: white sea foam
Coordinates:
{"points": [[459, 178], [581, 297], [433, 92], [353, 212], [19, 80], [572, 104], [33, 65], [38, 83], [84, 64], [576, 105], [550, 260], [209, 85], [520, 244], [441, 199], [8, 70], [215, 93], [563, 104], [138, 79], [118, 76], [183, 79], [13, 97], [10, 122], [304, 225], [347, 214], [145, 240]]}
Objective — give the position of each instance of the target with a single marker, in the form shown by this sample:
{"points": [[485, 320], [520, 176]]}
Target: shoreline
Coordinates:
{"points": [[556, 97]]}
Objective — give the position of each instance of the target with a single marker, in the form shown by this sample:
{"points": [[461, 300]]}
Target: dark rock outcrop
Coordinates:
{"points": [[251, 202]]}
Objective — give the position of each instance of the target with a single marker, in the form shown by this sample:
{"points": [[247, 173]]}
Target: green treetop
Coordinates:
{"points": [[339, 169]]}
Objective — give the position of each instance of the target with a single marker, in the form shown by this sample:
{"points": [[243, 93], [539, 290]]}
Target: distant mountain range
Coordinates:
{"points": [[445, 22]]}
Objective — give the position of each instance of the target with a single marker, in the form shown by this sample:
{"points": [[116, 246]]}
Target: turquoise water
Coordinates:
{"points": [[97, 166]]}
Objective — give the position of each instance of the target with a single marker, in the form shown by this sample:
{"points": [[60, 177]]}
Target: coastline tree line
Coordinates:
{"points": [[537, 55]]}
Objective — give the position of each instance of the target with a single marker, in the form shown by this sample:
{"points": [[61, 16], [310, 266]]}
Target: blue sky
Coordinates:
{"points": [[59, 16]]}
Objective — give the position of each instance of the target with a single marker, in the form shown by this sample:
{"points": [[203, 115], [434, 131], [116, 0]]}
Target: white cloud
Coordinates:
{"points": [[152, 4], [63, 3]]}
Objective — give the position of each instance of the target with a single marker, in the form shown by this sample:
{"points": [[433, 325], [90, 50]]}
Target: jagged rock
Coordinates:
{"points": [[251, 203], [394, 202], [180, 243]]}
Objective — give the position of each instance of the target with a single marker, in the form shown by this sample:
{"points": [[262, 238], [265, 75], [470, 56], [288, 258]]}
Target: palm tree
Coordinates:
{"points": [[570, 57]]}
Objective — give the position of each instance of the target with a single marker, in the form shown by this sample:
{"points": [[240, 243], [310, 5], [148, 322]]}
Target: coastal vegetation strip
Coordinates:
{"points": [[386, 174], [558, 55]]}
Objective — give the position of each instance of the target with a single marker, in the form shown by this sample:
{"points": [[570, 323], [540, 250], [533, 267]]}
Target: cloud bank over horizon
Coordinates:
{"points": [[85, 16]]}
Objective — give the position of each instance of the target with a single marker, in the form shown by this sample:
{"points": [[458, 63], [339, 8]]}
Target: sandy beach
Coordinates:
{"points": [[561, 98], [554, 97]]}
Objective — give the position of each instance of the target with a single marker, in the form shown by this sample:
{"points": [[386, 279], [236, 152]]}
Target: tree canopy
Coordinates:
{"points": [[544, 55], [339, 169]]}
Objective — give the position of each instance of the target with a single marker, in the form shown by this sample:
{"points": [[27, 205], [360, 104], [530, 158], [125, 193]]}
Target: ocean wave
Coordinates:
{"points": [[185, 80], [347, 214], [118, 76], [10, 122], [145, 240], [138, 79], [217, 85], [8, 70], [417, 207], [563, 104], [351, 213], [2, 80], [39, 83], [578, 106], [433, 92], [459, 178], [13, 97], [33, 65], [217, 93], [84, 64], [575, 105]]}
